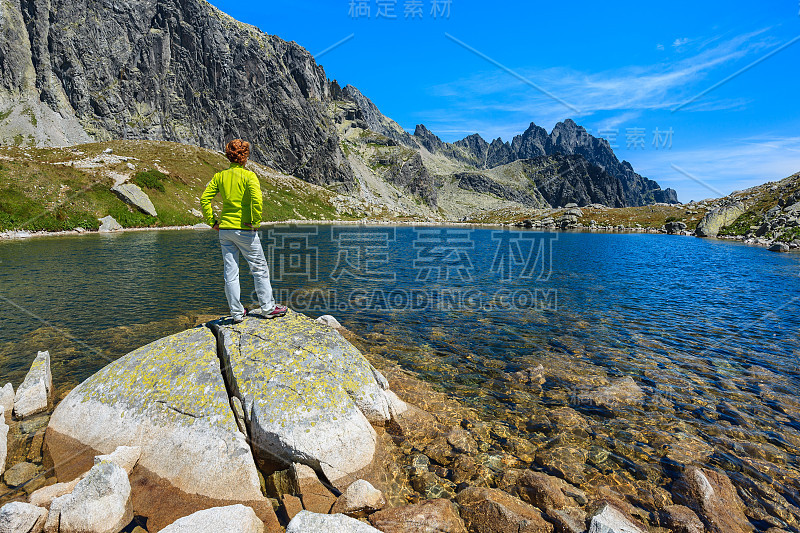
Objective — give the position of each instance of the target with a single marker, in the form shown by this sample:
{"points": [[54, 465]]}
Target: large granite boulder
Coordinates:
{"points": [[134, 195], [35, 393], [308, 395], [718, 218], [169, 399], [99, 503], [229, 519]]}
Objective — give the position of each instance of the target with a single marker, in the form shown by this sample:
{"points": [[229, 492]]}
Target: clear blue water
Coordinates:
{"points": [[706, 328]]}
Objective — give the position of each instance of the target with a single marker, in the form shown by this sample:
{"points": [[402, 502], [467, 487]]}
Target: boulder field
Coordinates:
{"points": [[266, 424]]}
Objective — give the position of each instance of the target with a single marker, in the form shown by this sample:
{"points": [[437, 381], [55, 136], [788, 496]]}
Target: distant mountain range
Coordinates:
{"points": [[184, 71]]}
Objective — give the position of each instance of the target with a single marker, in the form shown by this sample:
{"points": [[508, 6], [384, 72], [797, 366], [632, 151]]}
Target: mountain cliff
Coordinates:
{"points": [[567, 138], [170, 70]]}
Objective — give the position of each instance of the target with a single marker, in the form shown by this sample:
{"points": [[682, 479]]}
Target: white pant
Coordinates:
{"points": [[232, 242]]}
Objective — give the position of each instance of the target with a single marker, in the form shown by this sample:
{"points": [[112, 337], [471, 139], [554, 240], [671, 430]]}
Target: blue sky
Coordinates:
{"points": [[620, 69]]}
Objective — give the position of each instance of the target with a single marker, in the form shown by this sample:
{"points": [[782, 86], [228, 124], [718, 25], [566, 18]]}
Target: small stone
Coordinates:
{"points": [[329, 321], [308, 522], [359, 499], [541, 490], [19, 474], [230, 519], [21, 517]]}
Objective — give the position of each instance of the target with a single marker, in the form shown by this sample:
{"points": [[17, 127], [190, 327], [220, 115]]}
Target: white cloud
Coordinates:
{"points": [[658, 86], [660, 47], [678, 43]]}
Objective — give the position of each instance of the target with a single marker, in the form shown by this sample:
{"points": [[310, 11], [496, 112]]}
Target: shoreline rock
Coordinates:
{"points": [[35, 394]]}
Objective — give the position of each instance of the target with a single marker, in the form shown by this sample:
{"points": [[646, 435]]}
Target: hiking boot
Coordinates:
{"points": [[278, 311], [237, 319]]}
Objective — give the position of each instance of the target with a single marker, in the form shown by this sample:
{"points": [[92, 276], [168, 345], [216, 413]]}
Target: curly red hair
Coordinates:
{"points": [[237, 151]]}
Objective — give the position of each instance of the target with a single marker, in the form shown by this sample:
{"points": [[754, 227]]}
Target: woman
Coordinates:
{"points": [[238, 231]]}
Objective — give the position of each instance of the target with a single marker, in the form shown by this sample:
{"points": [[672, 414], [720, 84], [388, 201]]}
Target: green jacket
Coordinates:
{"points": [[241, 198]]}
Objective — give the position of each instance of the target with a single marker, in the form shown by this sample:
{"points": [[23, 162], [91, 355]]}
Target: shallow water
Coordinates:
{"points": [[707, 329]]}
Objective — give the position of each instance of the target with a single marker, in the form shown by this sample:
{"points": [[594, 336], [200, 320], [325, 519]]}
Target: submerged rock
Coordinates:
{"points": [[134, 195], [229, 519], [100, 502], [620, 393], [308, 522], [438, 515], [20, 517], [308, 395], [20, 473], [681, 519], [35, 393], [713, 497], [168, 398], [495, 511], [609, 519]]}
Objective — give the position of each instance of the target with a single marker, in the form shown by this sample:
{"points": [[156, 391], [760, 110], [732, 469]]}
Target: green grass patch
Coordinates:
{"points": [[789, 235], [150, 179], [742, 224], [4, 114], [17, 211]]}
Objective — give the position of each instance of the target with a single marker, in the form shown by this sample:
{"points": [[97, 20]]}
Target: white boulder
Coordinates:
{"points": [[35, 393], [308, 522], [3, 440], [134, 195], [99, 503], [7, 399], [611, 520], [229, 519], [360, 499], [21, 517], [108, 224]]}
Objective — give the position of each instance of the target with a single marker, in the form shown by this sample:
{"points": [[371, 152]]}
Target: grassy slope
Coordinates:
{"points": [[39, 192]]}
